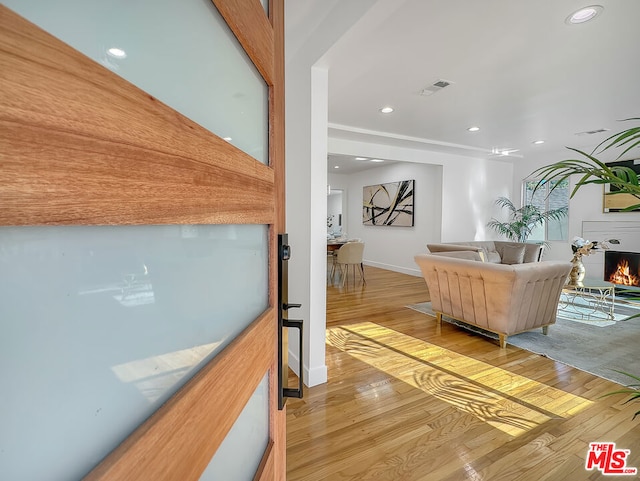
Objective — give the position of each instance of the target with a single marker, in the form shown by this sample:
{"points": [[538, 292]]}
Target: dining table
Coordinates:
{"points": [[335, 244], [332, 246]]}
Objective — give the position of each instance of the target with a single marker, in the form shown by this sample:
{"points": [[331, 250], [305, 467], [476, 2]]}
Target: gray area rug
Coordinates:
{"points": [[597, 349]]}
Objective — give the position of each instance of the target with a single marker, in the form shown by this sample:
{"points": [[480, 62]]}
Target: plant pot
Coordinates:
{"points": [[576, 276]]}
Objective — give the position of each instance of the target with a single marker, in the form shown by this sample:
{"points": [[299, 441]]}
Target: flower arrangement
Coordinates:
{"points": [[581, 247]]}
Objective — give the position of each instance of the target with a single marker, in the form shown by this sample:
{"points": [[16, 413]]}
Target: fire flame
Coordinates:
{"points": [[623, 276]]}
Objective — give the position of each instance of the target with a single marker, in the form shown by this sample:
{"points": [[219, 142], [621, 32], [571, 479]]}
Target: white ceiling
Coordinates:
{"points": [[348, 164], [517, 71]]}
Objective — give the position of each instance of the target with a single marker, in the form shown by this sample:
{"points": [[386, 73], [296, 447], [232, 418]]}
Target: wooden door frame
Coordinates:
{"points": [[66, 164]]}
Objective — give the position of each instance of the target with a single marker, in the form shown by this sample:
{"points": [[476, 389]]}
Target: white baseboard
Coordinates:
{"points": [[312, 377], [390, 267]]}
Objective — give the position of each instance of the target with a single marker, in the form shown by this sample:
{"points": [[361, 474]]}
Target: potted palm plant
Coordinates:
{"points": [[523, 220]]}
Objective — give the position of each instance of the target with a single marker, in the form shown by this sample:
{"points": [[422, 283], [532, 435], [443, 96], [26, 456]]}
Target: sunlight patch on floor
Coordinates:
{"points": [[509, 402]]}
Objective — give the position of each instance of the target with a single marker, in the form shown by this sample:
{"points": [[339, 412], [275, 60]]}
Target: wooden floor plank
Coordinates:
{"points": [[408, 400]]}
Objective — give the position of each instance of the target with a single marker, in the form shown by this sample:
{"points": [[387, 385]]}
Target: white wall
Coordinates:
{"points": [[469, 185], [469, 188], [306, 172], [390, 247], [306, 91]]}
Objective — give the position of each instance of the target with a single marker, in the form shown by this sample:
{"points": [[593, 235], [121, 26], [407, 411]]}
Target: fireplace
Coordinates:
{"points": [[622, 268]]}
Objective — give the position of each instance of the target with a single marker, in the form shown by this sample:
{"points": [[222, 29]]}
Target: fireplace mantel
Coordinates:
{"points": [[622, 268]]}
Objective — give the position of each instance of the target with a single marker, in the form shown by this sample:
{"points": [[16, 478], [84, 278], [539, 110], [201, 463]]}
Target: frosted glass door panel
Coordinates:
{"points": [[143, 307], [185, 55], [240, 453]]}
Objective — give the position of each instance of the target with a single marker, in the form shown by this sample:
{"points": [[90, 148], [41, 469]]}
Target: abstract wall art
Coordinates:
{"points": [[621, 202], [388, 204]]}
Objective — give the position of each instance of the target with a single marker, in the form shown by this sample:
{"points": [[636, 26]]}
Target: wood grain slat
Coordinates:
{"points": [[277, 113], [80, 145], [265, 471], [277, 162], [225, 384], [67, 156], [249, 23]]}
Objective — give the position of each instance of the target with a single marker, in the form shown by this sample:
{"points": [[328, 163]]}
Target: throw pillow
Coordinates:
{"points": [[493, 256], [513, 254]]}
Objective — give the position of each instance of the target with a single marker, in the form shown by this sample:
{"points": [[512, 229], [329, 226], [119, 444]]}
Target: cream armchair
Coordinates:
{"points": [[504, 299], [350, 254]]}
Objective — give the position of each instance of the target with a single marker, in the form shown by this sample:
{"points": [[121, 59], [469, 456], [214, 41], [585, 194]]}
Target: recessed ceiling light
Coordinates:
{"points": [[228, 139], [538, 142], [117, 52], [503, 151], [584, 15], [336, 166], [361, 158], [376, 160], [473, 129], [386, 110]]}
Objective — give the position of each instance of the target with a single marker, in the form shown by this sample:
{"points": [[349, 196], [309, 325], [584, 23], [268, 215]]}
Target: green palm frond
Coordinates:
{"points": [[632, 389], [523, 220], [623, 180], [629, 137], [505, 202]]}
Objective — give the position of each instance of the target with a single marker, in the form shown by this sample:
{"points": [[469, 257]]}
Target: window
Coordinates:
{"points": [[548, 196]]}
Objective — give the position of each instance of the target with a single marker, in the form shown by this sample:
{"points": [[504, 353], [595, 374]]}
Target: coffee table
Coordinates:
{"points": [[590, 300]]}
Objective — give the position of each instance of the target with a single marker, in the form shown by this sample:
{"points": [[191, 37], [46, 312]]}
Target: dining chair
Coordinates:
{"points": [[331, 258], [350, 254]]}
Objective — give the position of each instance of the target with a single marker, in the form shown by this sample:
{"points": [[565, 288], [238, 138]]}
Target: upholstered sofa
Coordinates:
{"points": [[498, 252], [502, 298]]}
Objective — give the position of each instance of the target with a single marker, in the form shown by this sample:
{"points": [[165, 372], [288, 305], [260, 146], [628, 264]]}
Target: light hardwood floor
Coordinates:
{"points": [[408, 401]]}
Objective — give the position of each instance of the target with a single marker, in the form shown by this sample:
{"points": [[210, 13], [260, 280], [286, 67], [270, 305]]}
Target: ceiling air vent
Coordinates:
{"points": [[591, 132], [435, 86]]}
